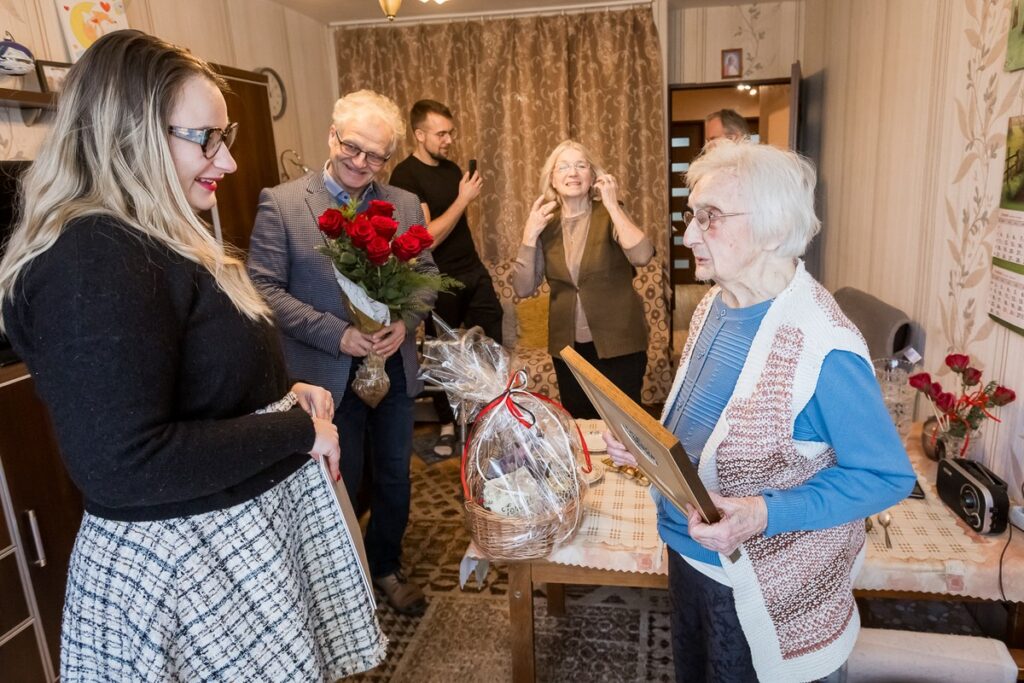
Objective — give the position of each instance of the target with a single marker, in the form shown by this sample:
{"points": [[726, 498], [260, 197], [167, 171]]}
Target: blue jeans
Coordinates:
{"points": [[389, 428]]}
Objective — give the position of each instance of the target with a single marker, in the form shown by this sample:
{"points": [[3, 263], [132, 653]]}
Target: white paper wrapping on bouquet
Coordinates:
{"points": [[358, 297]]}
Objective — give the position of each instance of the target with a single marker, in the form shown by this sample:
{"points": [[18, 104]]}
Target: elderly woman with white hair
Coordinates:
{"points": [[579, 237], [777, 406]]}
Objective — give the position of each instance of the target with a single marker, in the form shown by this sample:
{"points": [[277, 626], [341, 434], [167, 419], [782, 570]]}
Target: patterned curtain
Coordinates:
{"points": [[518, 87]]}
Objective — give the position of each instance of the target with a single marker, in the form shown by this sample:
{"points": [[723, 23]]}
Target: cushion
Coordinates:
{"points": [[891, 656], [533, 322]]}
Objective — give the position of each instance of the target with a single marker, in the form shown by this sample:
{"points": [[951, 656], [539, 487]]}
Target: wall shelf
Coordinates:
{"points": [[27, 99]]}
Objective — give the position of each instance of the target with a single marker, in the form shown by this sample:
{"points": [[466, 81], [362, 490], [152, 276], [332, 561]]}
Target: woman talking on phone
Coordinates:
{"points": [[579, 237]]}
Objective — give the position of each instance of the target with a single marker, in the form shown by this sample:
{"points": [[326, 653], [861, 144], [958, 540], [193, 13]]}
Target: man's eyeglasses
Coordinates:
{"points": [[350, 151], [208, 139], [580, 166], [705, 218]]}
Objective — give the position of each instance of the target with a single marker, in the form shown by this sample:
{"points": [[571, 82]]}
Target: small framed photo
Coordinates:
{"points": [[732, 63], [51, 75]]}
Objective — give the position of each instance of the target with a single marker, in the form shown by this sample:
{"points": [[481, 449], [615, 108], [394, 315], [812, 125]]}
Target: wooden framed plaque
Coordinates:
{"points": [[658, 453]]}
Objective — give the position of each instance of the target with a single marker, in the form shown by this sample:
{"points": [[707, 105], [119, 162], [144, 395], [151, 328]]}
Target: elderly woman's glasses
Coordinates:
{"points": [[208, 139], [565, 166], [705, 218], [350, 151]]}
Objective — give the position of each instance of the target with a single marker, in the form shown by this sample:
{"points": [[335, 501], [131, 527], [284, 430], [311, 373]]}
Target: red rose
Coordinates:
{"points": [[971, 377], [422, 235], [378, 250], [935, 390], [922, 381], [360, 231], [1003, 395], [332, 223], [406, 246], [958, 362], [380, 208], [384, 226], [945, 401]]}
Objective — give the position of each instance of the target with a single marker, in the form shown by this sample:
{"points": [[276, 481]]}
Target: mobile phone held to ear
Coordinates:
{"points": [[472, 167]]}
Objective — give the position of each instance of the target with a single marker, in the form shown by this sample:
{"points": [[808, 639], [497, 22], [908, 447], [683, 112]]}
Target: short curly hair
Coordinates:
{"points": [[365, 104]]}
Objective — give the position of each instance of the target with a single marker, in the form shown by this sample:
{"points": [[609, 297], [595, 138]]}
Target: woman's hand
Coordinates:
{"points": [[316, 401], [618, 453], [326, 446], [540, 216], [609, 190], [742, 518]]}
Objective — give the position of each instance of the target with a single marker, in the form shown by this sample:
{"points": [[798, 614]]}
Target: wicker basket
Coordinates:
{"points": [[501, 537]]}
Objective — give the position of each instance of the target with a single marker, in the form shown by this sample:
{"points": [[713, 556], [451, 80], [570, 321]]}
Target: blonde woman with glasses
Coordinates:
{"points": [[579, 237], [210, 548]]}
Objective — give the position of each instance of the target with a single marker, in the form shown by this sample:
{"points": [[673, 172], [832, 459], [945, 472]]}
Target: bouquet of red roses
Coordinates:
{"points": [[959, 416], [380, 274]]}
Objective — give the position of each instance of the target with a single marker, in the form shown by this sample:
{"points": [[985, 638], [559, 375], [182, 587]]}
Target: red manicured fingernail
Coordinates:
{"points": [[337, 478]]}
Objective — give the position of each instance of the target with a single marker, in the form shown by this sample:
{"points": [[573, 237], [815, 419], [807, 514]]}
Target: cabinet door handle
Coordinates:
{"points": [[37, 539]]}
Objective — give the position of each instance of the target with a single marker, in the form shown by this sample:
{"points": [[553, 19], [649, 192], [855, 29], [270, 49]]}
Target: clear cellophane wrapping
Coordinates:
{"points": [[523, 459]]}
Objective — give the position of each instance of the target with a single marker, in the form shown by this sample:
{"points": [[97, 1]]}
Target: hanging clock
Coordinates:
{"points": [[275, 91]]}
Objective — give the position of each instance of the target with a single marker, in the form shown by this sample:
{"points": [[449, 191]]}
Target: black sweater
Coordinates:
{"points": [[151, 376]]}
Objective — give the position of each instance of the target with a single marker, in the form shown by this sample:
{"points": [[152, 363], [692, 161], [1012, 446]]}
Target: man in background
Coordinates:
{"points": [[725, 123], [446, 193]]}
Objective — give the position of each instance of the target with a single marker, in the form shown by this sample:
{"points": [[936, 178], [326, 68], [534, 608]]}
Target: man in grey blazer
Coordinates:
{"points": [[322, 345]]}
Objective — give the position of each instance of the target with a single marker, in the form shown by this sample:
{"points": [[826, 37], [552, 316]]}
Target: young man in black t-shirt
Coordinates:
{"points": [[446, 193]]}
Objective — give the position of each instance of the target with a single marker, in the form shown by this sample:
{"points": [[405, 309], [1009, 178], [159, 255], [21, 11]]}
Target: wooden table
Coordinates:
{"points": [[893, 579]]}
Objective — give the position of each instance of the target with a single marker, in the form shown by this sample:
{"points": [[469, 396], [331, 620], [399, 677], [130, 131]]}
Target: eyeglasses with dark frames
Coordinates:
{"points": [[208, 139], [705, 218], [350, 151]]}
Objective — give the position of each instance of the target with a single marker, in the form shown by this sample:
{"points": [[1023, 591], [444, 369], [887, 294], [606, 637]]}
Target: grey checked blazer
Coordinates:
{"points": [[298, 281]]}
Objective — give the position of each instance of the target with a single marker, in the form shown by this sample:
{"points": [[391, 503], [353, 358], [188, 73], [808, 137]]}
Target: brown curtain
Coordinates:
{"points": [[518, 87]]}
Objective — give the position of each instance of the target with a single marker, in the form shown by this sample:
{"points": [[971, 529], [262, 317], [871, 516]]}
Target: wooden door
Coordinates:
{"points": [[686, 139], [254, 150]]}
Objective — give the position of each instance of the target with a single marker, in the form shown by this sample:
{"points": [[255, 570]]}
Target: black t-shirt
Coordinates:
{"points": [[438, 188]]}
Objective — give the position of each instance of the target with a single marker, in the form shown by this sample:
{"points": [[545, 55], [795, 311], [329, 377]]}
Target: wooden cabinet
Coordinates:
{"points": [[41, 513]]}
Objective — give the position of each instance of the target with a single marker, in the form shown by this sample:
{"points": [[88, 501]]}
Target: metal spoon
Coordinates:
{"points": [[885, 519], [868, 524]]}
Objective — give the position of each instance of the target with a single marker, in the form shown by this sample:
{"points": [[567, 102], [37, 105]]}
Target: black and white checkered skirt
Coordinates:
{"points": [[269, 590]]}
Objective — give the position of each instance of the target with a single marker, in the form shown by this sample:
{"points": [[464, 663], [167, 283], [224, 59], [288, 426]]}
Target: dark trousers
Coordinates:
{"points": [[389, 427], [474, 304], [707, 640], [625, 372]]}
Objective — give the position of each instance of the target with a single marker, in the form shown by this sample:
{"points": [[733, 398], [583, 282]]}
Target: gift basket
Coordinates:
{"points": [[523, 461]]}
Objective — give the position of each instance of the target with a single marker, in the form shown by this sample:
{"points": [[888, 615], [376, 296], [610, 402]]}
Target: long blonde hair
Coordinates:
{"points": [[108, 154]]}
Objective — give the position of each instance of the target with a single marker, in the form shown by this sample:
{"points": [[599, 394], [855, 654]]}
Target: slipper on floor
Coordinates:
{"points": [[445, 446]]}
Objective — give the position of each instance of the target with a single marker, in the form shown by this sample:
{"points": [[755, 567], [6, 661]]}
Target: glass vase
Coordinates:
{"points": [[952, 446]]}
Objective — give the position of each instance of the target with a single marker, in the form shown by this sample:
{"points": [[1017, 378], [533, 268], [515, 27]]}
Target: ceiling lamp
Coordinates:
{"points": [[390, 8]]}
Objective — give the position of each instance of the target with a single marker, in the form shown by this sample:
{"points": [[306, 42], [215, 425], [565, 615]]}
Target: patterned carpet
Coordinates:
{"points": [[608, 634]]}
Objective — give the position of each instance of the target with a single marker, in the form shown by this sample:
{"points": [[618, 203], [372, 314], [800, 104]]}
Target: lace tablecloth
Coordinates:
{"points": [[933, 551]]}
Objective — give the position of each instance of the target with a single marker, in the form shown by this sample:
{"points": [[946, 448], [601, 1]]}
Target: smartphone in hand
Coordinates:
{"points": [[472, 167]]}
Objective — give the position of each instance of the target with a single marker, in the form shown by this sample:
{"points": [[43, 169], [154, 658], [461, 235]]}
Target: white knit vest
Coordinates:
{"points": [[793, 591]]}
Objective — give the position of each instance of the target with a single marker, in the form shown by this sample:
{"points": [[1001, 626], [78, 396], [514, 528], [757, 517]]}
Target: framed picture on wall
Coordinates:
{"points": [[732, 63], [51, 75]]}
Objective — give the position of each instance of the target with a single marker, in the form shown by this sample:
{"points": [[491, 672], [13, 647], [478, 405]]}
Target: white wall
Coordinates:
{"points": [[241, 33]]}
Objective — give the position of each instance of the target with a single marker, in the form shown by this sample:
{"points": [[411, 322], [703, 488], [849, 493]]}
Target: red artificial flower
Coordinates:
{"points": [[971, 377], [406, 246], [935, 390], [361, 231], [922, 381], [384, 226], [378, 250], [958, 362], [1003, 395], [378, 207], [945, 401], [421, 234], [332, 223]]}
